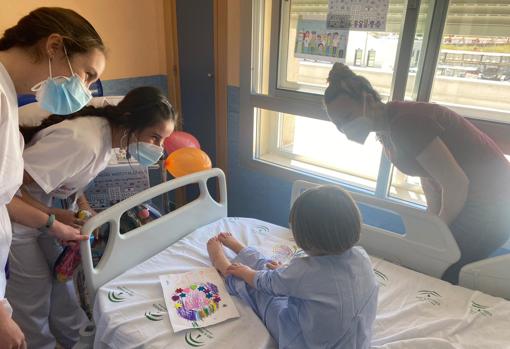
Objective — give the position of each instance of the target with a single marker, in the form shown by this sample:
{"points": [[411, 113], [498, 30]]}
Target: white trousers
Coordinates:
{"points": [[46, 310]]}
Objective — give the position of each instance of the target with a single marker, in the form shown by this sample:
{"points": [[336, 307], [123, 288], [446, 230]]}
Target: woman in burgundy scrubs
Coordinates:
{"points": [[464, 174]]}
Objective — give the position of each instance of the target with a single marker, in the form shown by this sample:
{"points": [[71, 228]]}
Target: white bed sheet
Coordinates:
{"points": [[415, 310]]}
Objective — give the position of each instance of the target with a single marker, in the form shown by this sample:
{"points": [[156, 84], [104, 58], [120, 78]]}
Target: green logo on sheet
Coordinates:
{"points": [[120, 294], [431, 297], [154, 316], [261, 229], [480, 309], [158, 312], [116, 297], [381, 277], [198, 337]]}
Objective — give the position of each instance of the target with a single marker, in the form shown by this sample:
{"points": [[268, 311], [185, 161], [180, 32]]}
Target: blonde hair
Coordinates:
{"points": [[325, 220], [343, 81]]}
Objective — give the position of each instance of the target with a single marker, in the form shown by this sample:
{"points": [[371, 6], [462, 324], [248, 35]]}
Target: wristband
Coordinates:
{"points": [[45, 228]]}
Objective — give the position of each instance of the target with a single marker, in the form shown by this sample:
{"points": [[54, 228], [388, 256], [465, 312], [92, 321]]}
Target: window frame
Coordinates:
{"points": [[310, 105]]}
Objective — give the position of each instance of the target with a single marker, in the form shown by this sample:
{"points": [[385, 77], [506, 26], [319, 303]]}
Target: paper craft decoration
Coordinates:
{"points": [[365, 15], [314, 41], [196, 299]]}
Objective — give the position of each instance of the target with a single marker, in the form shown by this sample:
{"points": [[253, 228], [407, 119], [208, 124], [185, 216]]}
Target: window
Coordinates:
{"points": [[371, 58], [358, 57], [415, 58], [293, 52], [316, 146], [304, 57], [474, 77]]}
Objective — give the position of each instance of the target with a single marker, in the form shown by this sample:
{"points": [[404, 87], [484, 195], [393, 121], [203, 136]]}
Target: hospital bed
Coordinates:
{"points": [[415, 309]]}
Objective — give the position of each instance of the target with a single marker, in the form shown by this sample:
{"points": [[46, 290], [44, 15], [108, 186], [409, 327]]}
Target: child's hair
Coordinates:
{"points": [[325, 220]]}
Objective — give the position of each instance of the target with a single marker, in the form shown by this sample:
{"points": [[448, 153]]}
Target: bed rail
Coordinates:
{"points": [[128, 250], [491, 275], [426, 246]]}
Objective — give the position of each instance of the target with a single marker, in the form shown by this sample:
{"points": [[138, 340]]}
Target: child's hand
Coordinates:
{"points": [[238, 269], [272, 265], [242, 271]]}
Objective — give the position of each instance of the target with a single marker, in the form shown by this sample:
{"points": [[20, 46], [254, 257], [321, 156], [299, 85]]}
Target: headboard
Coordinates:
{"points": [[128, 250], [426, 246]]}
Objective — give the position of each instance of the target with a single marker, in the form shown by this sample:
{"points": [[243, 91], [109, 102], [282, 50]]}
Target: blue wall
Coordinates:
{"points": [[119, 87], [252, 194]]}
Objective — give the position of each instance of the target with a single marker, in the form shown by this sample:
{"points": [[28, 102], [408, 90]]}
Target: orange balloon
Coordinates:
{"points": [[185, 161]]}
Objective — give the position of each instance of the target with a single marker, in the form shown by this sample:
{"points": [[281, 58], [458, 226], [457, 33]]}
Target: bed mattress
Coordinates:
{"points": [[414, 310]]}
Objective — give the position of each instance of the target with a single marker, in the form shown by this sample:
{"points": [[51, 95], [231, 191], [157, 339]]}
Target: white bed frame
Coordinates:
{"points": [[128, 250], [491, 275], [427, 246]]}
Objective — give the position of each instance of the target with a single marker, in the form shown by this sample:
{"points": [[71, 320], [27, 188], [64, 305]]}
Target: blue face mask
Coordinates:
{"points": [[145, 153], [62, 95]]}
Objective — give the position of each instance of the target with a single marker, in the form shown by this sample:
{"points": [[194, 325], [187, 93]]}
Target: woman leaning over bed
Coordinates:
{"points": [[62, 157], [464, 175]]}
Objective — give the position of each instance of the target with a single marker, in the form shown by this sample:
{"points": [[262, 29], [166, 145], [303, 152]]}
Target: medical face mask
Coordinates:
{"points": [[358, 129], [145, 153], [62, 95]]}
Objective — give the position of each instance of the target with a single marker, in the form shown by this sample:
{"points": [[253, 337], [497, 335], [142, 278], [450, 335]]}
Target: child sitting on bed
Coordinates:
{"points": [[325, 300]]}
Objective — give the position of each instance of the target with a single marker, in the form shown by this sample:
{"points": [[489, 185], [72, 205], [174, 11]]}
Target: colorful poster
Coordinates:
{"points": [[364, 15], [197, 299], [314, 41]]}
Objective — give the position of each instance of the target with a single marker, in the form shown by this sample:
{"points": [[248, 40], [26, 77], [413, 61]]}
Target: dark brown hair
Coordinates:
{"points": [[343, 81], [141, 108], [325, 220], [78, 34]]}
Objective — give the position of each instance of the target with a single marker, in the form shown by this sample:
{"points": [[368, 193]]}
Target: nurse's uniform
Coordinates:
{"points": [[62, 159], [11, 167]]}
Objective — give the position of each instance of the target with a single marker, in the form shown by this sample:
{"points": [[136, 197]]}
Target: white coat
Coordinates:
{"points": [[11, 165], [62, 159]]}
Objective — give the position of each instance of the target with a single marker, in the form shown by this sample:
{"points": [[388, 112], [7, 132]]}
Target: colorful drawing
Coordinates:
{"points": [[315, 42], [197, 299]]}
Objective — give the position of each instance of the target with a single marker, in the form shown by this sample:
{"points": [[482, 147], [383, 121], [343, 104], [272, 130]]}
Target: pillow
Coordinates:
{"points": [[32, 114]]}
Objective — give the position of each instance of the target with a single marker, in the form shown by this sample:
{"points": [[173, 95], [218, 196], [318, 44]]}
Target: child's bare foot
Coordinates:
{"points": [[231, 242], [217, 255]]}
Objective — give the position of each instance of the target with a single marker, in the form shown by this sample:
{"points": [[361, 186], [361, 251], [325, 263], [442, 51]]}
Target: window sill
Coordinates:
{"points": [[281, 167]]}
